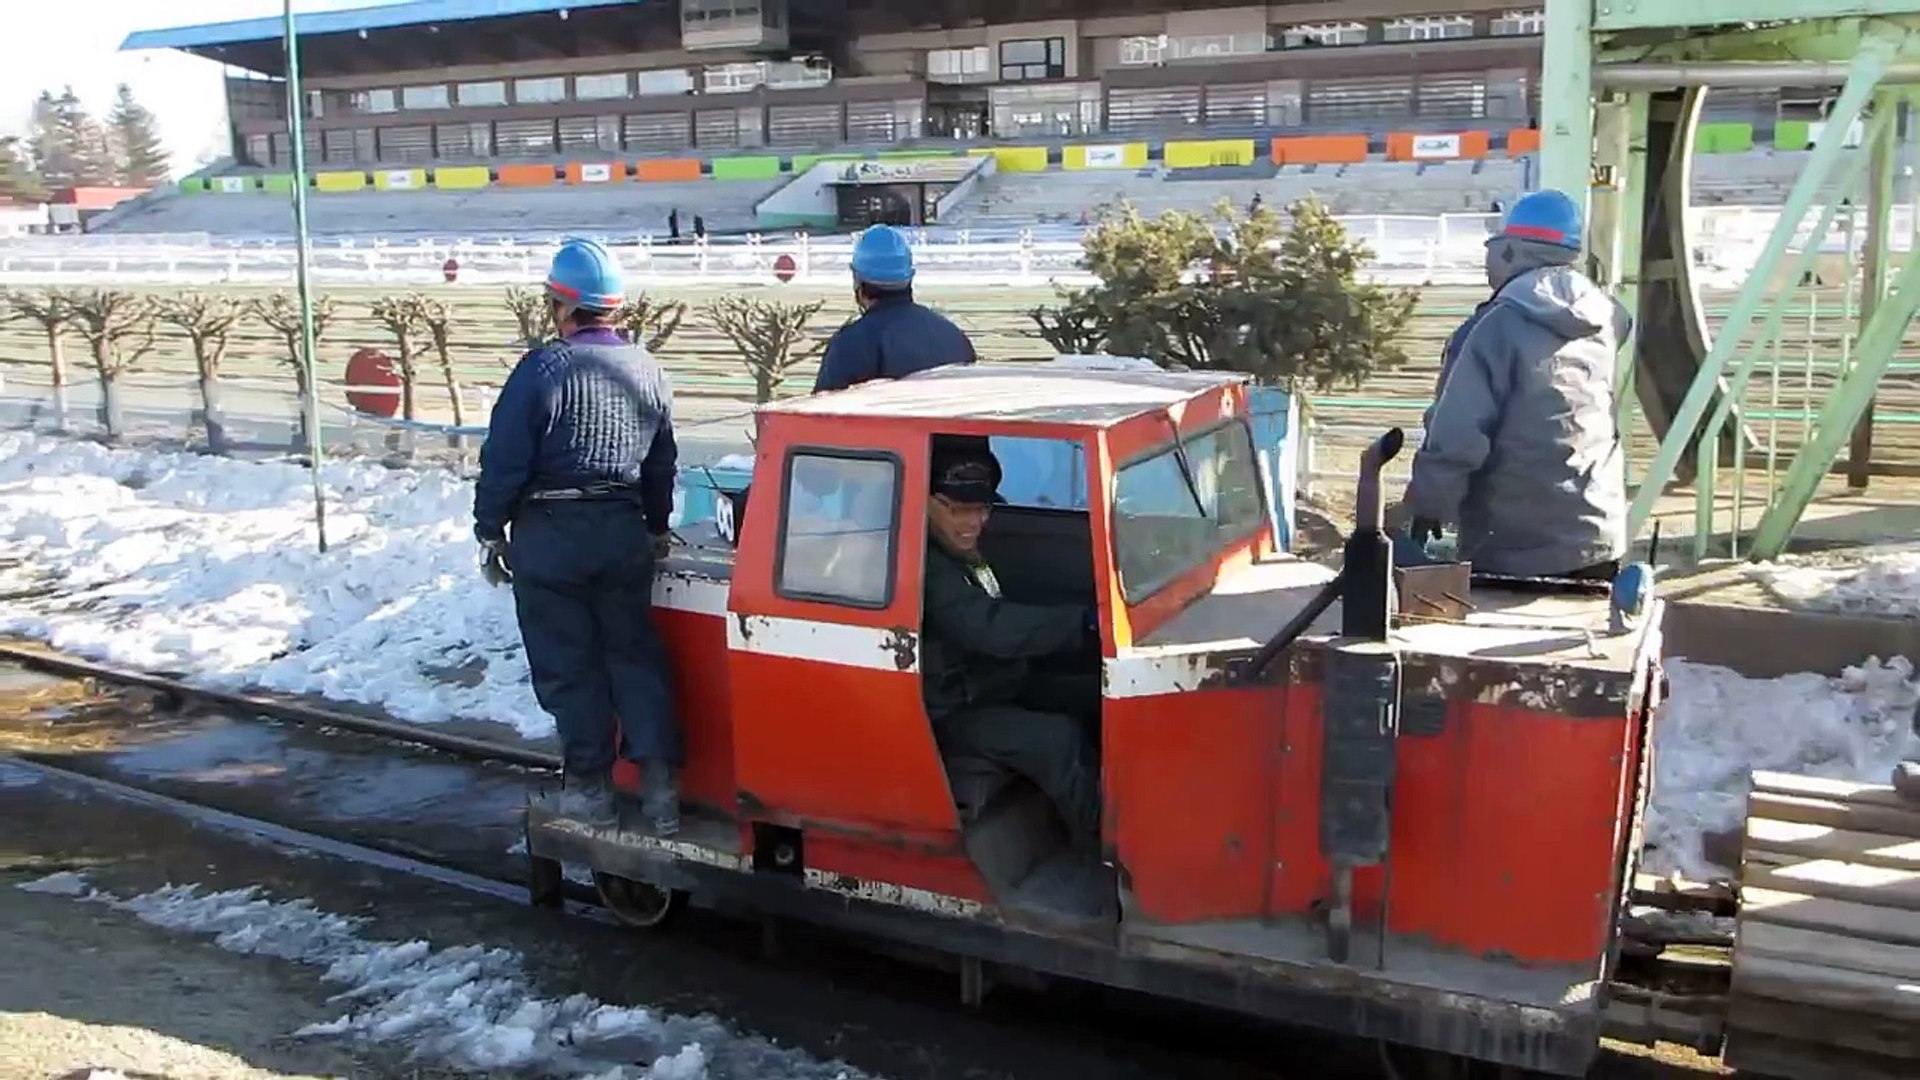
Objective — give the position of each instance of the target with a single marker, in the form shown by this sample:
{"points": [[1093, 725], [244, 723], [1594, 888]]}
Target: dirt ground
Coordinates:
{"points": [[91, 988]]}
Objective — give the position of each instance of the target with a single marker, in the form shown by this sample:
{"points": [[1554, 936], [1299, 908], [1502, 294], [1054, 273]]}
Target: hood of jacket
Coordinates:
{"points": [[1565, 302]]}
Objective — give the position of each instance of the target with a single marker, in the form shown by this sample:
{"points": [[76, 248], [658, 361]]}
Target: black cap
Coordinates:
{"points": [[966, 473]]}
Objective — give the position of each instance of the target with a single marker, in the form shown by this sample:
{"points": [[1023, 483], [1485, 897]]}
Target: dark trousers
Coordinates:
{"points": [[1049, 735], [583, 591]]}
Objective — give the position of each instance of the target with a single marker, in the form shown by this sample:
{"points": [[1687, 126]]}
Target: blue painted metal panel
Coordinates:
{"points": [[350, 20]]}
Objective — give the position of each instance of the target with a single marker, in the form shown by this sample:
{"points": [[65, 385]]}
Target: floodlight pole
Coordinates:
{"points": [[310, 402]]}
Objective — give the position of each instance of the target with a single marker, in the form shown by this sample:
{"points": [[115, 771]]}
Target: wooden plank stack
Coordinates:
{"points": [[1826, 959]]}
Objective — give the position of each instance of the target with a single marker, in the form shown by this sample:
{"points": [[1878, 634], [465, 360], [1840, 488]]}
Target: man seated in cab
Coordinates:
{"points": [[978, 651], [894, 336], [1521, 452]]}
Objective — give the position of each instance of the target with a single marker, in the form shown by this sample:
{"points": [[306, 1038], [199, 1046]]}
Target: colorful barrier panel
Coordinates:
{"points": [[746, 168], [1436, 146], [595, 172], [462, 177], [1015, 158], [1207, 154], [1724, 138], [400, 179], [281, 182], [194, 185], [1320, 150], [1792, 135], [230, 185], [527, 175], [659, 169], [1523, 141], [1108, 156], [339, 181]]}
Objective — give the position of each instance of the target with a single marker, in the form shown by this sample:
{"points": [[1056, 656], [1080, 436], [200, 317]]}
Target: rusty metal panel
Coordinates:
{"points": [[1361, 714]]}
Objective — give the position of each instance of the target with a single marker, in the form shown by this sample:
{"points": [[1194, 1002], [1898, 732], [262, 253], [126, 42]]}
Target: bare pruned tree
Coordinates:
{"points": [[771, 336], [119, 330], [208, 321], [52, 310]]}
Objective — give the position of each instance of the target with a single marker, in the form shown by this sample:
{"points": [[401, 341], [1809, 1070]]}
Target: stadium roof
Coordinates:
{"points": [[350, 20]]}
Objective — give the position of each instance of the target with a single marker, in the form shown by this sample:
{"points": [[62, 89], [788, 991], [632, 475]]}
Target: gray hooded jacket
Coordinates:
{"points": [[1521, 450]]}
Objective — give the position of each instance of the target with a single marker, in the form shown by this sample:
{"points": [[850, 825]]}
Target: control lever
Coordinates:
{"points": [[1365, 580]]}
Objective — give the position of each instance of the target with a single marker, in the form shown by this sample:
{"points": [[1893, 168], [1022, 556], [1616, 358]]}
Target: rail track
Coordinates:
{"points": [[1669, 988]]}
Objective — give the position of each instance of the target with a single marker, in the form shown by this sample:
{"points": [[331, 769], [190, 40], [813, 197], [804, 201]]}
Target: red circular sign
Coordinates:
{"points": [[370, 368], [451, 268], [784, 268]]}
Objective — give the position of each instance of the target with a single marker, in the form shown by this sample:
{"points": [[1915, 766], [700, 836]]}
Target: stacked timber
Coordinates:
{"points": [[1826, 959]]}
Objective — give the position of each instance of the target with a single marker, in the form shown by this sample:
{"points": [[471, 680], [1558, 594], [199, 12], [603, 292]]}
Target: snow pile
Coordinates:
{"points": [[183, 562], [468, 1007], [1717, 726], [1886, 583]]}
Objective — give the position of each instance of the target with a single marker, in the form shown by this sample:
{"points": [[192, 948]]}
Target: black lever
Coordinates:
{"points": [[1367, 578]]}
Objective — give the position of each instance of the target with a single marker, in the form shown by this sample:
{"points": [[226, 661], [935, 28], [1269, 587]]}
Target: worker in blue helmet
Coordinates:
{"points": [[1521, 453], [572, 504], [894, 336]]}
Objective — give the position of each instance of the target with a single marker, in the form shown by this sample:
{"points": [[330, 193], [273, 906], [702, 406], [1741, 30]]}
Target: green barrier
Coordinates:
{"points": [[195, 185], [746, 168], [277, 182], [1792, 135], [1725, 138]]}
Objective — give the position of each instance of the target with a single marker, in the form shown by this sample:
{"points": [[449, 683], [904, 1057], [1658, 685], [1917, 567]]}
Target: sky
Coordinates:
{"points": [[45, 46]]}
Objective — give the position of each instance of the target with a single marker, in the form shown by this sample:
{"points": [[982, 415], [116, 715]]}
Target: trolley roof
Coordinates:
{"points": [[1053, 393]]}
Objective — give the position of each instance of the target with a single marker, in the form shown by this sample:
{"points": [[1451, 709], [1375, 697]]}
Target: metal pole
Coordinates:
{"points": [[1566, 99], [1873, 286], [310, 403]]}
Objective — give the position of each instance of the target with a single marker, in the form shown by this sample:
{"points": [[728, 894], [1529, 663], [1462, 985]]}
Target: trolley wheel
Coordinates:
{"points": [[546, 883], [636, 903]]}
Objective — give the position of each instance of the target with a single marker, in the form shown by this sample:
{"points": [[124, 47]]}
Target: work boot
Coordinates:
{"points": [[588, 798], [659, 799]]}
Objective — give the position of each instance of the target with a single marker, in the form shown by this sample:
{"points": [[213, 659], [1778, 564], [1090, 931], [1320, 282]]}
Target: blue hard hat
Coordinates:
{"points": [[585, 275], [883, 258], [1547, 216]]}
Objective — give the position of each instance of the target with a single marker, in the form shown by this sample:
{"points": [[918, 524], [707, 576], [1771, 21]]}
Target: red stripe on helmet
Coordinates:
{"points": [[1536, 232]]}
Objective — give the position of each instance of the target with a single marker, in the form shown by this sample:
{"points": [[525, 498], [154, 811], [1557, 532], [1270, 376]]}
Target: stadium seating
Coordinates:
{"points": [[609, 209]]}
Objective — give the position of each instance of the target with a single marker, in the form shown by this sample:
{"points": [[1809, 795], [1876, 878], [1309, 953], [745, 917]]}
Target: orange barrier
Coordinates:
{"points": [[1436, 146], [1523, 141], [667, 169], [526, 175], [1320, 150], [596, 172]]}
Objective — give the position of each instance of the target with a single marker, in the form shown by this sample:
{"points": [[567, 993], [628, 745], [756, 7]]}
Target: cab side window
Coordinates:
{"points": [[839, 528]]}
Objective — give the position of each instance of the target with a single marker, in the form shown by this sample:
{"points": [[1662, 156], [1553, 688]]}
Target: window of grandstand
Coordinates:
{"points": [[733, 78], [1143, 50], [423, 97], [601, 87], [1452, 97], [316, 104], [1144, 109], [959, 65], [374, 101], [523, 138], [463, 140], [1320, 35], [665, 82], [799, 74], [1429, 28], [551, 88], [661, 133], [259, 150], [1028, 59], [481, 93], [1198, 46], [1519, 23], [1069, 109], [411, 143]]}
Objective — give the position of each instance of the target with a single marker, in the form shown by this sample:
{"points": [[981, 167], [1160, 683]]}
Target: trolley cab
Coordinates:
{"points": [[1409, 826]]}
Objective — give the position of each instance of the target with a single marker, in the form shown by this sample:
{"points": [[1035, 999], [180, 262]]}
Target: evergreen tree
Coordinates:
{"points": [[18, 180], [69, 147], [139, 158]]}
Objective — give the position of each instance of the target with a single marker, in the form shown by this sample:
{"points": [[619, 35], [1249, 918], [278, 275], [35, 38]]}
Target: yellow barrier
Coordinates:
{"points": [[1016, 158], [1110, 156], [462, 177], [339, 181], [1201, 155], [400, 179]]}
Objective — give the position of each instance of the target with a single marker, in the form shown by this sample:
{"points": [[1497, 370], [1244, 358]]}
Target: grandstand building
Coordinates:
{"points": [[483, 81]]}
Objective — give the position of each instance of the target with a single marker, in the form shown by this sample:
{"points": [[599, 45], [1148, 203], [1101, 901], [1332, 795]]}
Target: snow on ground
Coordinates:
{"points": [[468, 1007], [1717, 726], [185, 562], [1885, 583]]}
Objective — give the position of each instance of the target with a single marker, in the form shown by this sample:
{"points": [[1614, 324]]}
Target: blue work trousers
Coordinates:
{"points": [[583, 590]]}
